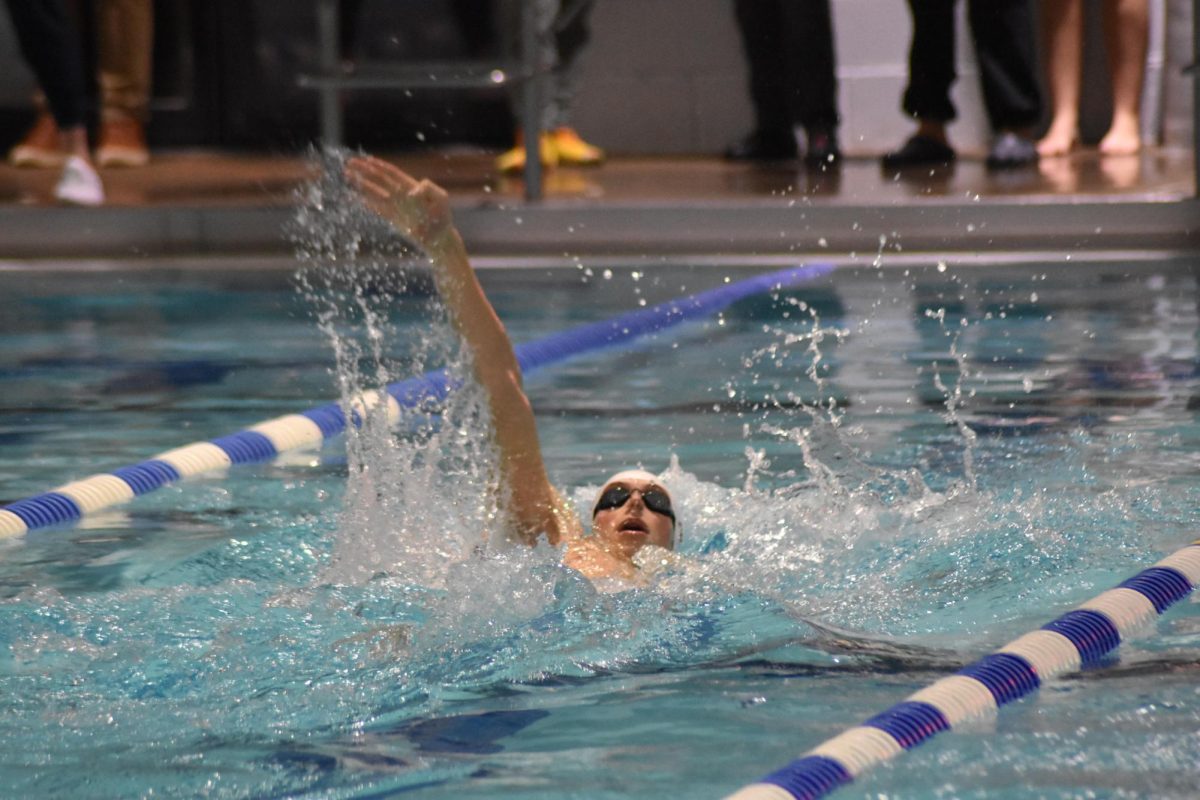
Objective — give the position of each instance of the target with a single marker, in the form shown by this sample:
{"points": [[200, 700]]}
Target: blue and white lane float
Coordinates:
{"points": [[1077, 639], [263, 442]]}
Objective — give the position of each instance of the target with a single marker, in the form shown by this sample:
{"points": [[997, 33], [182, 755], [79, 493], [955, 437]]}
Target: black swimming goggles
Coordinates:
{"points": [[617, 495]]}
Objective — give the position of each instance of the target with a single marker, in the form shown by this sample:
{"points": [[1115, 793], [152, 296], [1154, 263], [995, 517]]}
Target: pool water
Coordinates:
{"points": [[881, 477]]}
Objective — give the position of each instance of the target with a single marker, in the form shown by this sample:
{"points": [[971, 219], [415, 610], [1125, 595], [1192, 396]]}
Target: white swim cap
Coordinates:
{"points": [[642, 476]]}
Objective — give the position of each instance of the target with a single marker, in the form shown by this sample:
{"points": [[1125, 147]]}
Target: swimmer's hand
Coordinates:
{"points": [[419, 210]]}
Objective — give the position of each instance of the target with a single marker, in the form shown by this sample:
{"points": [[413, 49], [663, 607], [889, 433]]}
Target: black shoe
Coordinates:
{"points": [[1010, 151], [823, 150], [919, 151], [759, 146]]}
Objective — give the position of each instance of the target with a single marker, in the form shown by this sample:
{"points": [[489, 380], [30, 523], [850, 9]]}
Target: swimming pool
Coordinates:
{"points": [[958, 454]]}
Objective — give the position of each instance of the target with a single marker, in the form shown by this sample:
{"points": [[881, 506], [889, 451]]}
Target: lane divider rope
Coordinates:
{"points": [[1079, 638], [263, 442]]}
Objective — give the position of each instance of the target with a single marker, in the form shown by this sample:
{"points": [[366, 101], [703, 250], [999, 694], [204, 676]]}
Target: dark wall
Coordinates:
{"points": [[226, 76], [247, 57], [225, 73]]}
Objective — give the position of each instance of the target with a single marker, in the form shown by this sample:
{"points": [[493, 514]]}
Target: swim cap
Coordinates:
{"points": [[647, 477]]}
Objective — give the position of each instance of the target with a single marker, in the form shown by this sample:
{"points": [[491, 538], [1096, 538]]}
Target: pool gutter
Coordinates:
{"points": [[768, 226]]}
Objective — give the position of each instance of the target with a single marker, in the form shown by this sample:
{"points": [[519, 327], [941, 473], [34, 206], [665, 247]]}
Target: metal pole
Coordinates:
{"points": [[1195, 74], [531, 110], [329, 96]]}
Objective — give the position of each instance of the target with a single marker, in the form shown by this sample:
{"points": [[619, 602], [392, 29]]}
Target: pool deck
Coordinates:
{"points": [[223, 204]]}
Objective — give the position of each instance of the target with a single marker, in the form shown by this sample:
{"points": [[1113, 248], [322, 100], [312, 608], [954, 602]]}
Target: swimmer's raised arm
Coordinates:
{"points": [[420, 211]]}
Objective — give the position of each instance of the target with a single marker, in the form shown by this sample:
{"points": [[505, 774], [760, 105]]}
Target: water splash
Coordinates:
{"points": [[421, 492], [420, 512]]}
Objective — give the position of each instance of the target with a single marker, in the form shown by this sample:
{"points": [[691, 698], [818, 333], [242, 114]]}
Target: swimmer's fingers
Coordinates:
{"points": [[374, 192], [383, 187], [371, 192], [380, 200], [380, 173], [418, 209]]}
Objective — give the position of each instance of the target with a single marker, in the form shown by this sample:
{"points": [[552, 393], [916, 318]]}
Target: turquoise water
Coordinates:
{"points": [[881, 477]]}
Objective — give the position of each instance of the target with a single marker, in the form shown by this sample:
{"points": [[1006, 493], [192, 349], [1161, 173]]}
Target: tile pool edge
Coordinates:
{"points": [[596, 229]]}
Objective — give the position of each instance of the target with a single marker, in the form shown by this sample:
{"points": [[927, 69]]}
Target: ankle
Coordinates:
{"points": [[932, 129]]}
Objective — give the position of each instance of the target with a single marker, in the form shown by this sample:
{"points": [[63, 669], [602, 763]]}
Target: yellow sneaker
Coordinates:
{"points": [[514, 160], [573, 150], [41, 146]]}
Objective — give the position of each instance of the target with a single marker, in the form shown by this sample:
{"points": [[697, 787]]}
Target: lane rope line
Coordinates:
{"points": [[262, 442], [1079, 638]]}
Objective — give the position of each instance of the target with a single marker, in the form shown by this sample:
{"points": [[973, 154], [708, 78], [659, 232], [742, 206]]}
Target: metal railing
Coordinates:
{"points": [[333, 78]]}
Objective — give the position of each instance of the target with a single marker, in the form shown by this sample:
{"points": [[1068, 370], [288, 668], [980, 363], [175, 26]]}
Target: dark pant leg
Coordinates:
{"points": [[572, 30], [762, 41], [1005, 47], [931, 61], [807, 33], [50, 43]]}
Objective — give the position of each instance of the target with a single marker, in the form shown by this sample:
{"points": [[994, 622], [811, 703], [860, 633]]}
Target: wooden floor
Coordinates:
{"points": [[216, 178], [210, 202]]}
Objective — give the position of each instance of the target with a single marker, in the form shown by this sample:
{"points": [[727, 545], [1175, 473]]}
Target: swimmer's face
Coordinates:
{"points": [[624, 520]]}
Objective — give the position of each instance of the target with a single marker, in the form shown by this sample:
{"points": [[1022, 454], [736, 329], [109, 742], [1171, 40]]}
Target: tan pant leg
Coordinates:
{"points": [[125, 41]]}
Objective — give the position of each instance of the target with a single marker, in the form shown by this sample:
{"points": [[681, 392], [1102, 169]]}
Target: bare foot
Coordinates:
{"points": [[1122, 139], [1057, 142]]}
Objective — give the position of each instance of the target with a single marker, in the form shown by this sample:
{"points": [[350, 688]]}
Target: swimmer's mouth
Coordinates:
{"points": [[634, 525]]}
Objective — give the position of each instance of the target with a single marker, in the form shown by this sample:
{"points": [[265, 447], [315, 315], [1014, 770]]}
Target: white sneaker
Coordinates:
{"points": [[79, 184]]}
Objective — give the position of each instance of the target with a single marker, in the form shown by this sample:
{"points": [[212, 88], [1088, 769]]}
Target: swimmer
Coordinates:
{"points": [[633, 510]]}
